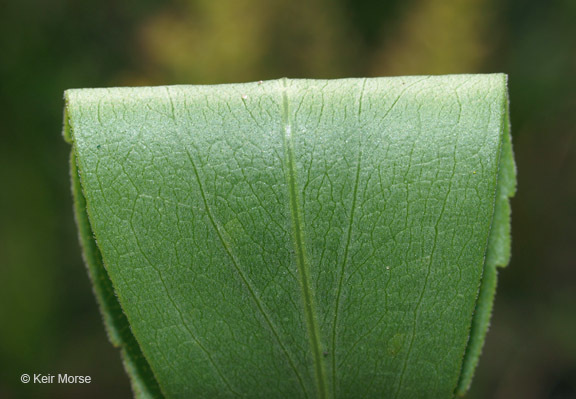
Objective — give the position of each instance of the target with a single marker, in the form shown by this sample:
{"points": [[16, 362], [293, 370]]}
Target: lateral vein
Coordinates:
{"points": [[343, 268], [245, 278]]}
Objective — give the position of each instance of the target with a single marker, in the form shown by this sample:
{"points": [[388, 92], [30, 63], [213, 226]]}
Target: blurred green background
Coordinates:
{"points": [[49, 322]]}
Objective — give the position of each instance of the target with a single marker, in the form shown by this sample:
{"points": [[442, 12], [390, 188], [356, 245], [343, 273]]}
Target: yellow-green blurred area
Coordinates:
{"points": [[49, 322]]}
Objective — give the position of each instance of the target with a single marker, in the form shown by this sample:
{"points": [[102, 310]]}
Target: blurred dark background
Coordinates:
{"points": [[49, 322]]}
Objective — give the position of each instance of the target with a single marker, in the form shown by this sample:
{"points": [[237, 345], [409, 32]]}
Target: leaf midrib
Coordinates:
{"points": [[300, 251]]}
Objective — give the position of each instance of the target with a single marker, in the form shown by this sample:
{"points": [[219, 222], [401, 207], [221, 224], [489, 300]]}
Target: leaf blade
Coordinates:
{"points": [[374, 181]]}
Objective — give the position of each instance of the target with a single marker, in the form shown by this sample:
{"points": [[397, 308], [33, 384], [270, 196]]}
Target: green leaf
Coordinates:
{"points": [[295, 238]]}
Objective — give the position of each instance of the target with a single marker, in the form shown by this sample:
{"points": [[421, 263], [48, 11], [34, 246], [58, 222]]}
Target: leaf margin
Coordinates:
{"points": [[142, 379]]}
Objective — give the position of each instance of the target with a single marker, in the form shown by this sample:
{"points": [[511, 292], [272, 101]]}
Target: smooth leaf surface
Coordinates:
{"points": [[296, 238]]}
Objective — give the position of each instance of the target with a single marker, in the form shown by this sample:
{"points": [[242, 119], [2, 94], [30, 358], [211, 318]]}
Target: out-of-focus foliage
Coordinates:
{"points": [[438, 37], [213, 41], [48, 319]]}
